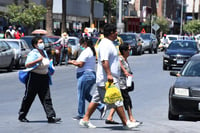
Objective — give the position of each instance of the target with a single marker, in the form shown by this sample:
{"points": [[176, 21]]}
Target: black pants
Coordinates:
{"points": [[37, 84], [127, 99]]}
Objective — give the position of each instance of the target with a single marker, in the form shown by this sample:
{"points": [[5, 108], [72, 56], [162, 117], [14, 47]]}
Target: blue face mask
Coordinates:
{"points": [[130, 52], [82, 48]]}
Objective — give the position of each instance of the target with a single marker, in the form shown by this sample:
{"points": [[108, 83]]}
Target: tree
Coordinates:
{"points": [[163, 23], [91, 12], [21, 15], [64, 5], [192, 27], [109, 8], [49, 16]]}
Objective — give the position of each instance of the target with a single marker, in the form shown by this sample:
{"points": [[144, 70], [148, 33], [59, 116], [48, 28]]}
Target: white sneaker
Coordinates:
{"points": [[130, 125], [86, 124]]}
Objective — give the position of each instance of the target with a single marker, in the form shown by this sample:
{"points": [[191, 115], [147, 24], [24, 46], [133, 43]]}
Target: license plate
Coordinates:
{"points": [[179, 61], [199, 106]]}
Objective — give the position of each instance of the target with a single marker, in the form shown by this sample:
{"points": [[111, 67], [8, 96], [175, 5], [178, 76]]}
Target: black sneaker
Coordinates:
{"points": [[77, 117], [23, 119], [53, 120]]}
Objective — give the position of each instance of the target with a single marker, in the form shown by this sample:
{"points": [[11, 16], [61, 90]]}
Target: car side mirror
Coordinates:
{"points": [[175, 73]]}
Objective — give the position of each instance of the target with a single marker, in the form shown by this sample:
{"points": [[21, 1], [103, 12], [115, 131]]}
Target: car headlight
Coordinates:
{"points": [[181, 91], [166, 56]]}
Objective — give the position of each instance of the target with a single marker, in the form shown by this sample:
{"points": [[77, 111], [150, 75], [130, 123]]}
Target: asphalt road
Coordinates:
{"points": [[150, 102]]}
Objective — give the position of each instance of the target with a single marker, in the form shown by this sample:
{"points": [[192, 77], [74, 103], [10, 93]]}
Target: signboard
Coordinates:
{"points": [[155, 27], [143, 31]]}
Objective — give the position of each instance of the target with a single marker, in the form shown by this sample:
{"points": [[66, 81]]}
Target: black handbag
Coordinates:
{"points": [[131, 88]]}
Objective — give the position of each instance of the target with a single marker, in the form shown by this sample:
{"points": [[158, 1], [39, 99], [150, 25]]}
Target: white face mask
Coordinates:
{"points": [[41, 46]]}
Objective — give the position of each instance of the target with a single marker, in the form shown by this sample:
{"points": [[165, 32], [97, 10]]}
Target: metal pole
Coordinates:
{"points": [[181, 18], [120, 11], [120, 25]]}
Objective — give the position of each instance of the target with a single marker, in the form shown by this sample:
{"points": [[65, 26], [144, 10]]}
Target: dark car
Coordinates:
{"points": [[47, 43], [184, 95], [178, 52], [133, 40]]}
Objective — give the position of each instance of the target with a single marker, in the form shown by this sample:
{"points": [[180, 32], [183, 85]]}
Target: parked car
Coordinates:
{"points": [[21, 50], [6, 56], [150, 42], [133, 40], [184, 94], [47, 42], [178, 52], [73, 47]]}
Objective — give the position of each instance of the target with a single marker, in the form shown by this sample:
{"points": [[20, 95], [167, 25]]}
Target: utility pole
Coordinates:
{"points": [[181, 26], [120, 25]]}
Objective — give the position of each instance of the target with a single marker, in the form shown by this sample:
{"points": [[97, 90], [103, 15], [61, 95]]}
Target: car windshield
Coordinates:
{"points": [[14, 44], [192, 68], [183, 45], [172, 38], [145, 36], [128, 37], [72, 42]]}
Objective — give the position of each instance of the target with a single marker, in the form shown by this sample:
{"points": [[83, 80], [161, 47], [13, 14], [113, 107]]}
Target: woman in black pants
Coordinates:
{"points": [[38, 82]]}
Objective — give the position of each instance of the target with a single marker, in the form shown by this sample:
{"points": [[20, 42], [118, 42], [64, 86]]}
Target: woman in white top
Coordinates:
{"points": [[86, 75]]}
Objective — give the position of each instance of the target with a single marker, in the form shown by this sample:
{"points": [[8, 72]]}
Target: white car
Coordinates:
{"points": [[6, 56], [73, 47], [21, 50]]}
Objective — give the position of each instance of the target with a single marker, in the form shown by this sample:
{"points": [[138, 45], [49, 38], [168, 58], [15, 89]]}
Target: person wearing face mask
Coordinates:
{"points": [[38, 82], [86, 76], [10, 32], [125, 51]]}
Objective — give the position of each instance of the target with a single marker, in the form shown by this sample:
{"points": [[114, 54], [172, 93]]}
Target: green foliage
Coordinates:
{"points": [[26, 15], [192, 27], [107, 8], [163, 23]]}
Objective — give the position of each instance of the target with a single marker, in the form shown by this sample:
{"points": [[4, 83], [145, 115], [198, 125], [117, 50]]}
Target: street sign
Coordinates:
{"points": [[155, 27], [143, 31]]}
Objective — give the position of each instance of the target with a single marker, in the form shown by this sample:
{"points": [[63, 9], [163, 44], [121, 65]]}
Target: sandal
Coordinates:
{"points": [[111, 122]]}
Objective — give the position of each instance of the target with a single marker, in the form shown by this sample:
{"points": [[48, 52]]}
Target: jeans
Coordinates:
{"points": [[86, 80], [64, 51]]}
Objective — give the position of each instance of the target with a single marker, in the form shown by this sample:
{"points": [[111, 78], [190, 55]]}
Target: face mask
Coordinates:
{"points": [[82, 48], [130, 52], [41, 46]]}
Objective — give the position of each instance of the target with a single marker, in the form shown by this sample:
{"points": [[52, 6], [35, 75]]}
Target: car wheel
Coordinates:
{"points": [[10, 67], [156, 50], [164, 67], [172, 116], [140, 51], [151, 50], [18, 63]]}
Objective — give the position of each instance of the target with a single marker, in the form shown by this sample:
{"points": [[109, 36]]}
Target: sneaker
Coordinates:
{"points": [[86, 124], [103, 112], [53, 119], [77, 117], [130, 125], [23, 119]]}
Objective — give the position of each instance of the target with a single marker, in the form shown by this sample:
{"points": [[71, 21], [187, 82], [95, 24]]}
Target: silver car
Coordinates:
{"points": [[6, 56], [73, 47], [21, 50], [150, 42]]}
